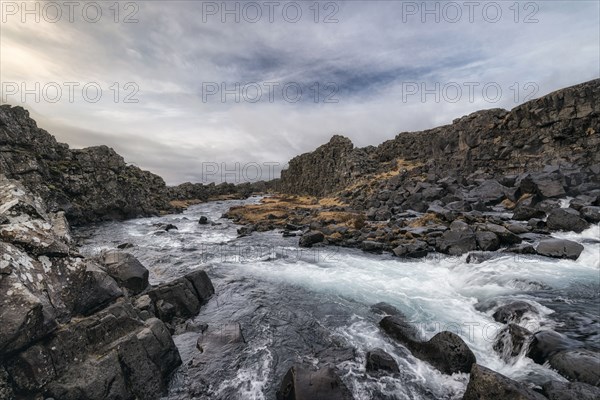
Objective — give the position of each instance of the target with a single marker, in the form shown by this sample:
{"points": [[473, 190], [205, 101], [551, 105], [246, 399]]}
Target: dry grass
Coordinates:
{"points": [[427, 219], [184, 203]]}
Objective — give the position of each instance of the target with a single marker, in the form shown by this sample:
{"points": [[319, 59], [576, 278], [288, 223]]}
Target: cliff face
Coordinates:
{"points": [[559, 128], [91, 184]]}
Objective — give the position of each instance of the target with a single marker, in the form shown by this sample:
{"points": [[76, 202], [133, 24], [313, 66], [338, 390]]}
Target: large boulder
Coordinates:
{"points": [[490, 192], [125, 269], [379, 360], [215, 337], [458, 240], [555, 390], [547, 343], [559, 248], [302, 383], [506, 236], [414, 249], [511, 341], [446, 351], [578, 365], [513, 312], [566, 219], [487, 241], [485, 384], [543, 185], [311, 238], [591, 214]]}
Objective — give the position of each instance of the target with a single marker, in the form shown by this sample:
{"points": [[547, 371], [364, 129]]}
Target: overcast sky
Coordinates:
{"points": [[371, 61]]}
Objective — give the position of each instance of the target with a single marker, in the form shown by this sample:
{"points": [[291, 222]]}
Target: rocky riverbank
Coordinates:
{"points": [[75, 328]]}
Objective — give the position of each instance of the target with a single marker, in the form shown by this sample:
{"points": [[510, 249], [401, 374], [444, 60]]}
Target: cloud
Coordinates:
{"points": [[373, 55]]}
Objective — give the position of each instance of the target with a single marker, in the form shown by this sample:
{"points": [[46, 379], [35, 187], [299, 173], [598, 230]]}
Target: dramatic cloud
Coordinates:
{"points": [[362, 76]]}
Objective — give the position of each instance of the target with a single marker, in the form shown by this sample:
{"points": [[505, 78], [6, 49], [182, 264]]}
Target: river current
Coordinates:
{"points": [[298, 304]]}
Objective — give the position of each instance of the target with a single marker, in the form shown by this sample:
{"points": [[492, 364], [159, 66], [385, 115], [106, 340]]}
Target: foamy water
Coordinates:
{"points": [[291, 303]]}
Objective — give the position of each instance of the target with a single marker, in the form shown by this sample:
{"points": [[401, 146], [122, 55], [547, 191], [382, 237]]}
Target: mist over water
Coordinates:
{"points": [[294, 305]]}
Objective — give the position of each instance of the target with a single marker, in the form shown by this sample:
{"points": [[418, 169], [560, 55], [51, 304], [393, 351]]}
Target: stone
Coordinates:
{"points": [[379, 360], [372, 246], [303, 383], [485, 384], [524, 213], [547, 343], [559, 248], [578, 365], [591, 214], [202, 284], [414, 249], [175, 299], [511, 341], [447, 352], [506, 237], [490, 192], [566, 219], [311, 238], [385, 308], [458, 240], [513, 312], [555, 390], [125, 269], [487, 241], [217, 336]]}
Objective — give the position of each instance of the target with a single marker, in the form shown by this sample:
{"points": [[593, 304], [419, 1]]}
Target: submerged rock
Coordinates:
{"points": [[302, 383], [446, 351], [513, 312], [378, 360]]}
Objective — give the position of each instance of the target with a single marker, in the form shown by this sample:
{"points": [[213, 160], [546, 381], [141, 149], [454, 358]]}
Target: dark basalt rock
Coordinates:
{"points": [[570, 391], [559, 248], [311, 238], [511, 341], [379, 360], [578, 365], [566, 219], [547, 343], [524, 213], [485, 384], [458, 240], [125, 269], [302, 383], [591, 214], [415, 249], [215, 337], [385, 308], [513, 312], [487, 241], [446, 351]]}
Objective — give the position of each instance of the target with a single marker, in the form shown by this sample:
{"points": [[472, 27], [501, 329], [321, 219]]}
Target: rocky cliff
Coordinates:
{"points": [[91, 184], [559, 128], [73, 328]]}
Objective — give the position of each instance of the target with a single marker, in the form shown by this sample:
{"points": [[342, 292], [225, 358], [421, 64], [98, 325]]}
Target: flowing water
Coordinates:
{"points": [[293, 304]]}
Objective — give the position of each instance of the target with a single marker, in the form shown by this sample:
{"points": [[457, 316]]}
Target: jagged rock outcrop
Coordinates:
{"points": [[68, 329], [559, 128], [88, 184], [330, 167]]}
